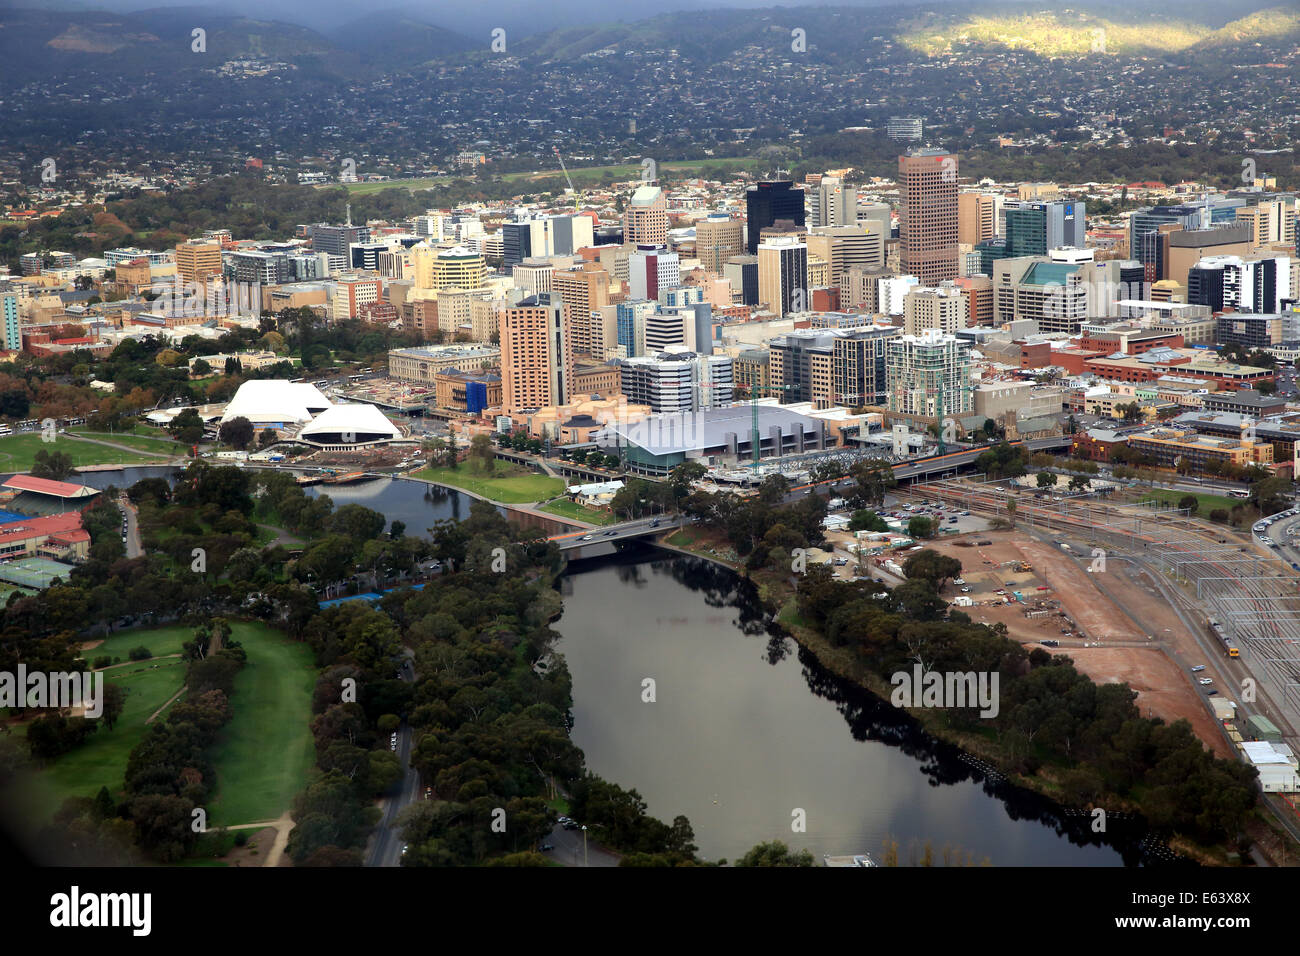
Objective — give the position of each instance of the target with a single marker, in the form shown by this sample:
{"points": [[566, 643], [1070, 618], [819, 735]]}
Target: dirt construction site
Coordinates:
{"points": [[1113, 623]]}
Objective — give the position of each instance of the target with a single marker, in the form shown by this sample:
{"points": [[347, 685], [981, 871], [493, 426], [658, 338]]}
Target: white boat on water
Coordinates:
{"points": [[857, 859]]}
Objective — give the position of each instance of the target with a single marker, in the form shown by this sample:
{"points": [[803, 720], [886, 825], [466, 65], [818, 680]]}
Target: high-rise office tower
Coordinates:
{"points": [[927, 214], [678, 381], [876, 217], [742, 273], [858, 360], [541, 236], [942, 308], [1248, 284], [437, 269], [834, 203], [536, 365], [765, 203], [977, 217], [651, 271], [337, 240], [1032, 228], [198, 262], [13, 339], [630, 325], [583, 290], [1271, 219], [717, 239], [846, 247], [802, 366], [783, 275], [1145, 234], [645, 218]]}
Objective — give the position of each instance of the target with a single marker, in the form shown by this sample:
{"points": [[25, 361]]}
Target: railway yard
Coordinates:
{"points": [[1128, 591]]}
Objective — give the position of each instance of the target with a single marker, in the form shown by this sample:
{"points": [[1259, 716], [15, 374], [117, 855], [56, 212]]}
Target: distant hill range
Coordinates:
{"points": [[43, 45], [845, 33], [38, 44]]}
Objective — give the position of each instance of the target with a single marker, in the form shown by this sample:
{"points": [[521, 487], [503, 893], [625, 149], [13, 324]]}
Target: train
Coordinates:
{"points": [[1219, 634]]}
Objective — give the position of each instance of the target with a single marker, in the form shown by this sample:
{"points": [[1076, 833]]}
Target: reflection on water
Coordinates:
{"points": [[736, 742]]}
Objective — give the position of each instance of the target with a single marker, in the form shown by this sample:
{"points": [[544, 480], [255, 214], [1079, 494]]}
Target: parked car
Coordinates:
{"points": [[1198, 668], [1206, 681]]}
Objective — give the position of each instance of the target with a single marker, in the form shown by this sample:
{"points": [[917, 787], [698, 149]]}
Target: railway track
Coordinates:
{"points": [[1259, 595]]}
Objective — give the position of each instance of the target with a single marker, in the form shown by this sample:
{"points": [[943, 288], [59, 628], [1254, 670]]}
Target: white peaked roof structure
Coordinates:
{"points": [[349, 425], [274, 401]]}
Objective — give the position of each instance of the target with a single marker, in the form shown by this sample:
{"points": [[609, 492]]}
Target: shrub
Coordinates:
{"points": [[99, 662], [1220, 515], [139, 653]]}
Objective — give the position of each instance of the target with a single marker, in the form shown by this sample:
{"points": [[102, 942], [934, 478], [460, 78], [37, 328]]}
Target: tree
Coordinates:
{"points": [[186, 426], [55, 465], [238, 432], [1047, 479], [866, 520], [775, 853], [929, 565], [1270, 494], [1189, 503], [919, 526], [200, 368], [482, 453]]}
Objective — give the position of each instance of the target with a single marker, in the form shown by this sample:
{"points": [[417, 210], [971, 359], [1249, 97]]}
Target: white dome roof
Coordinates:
{"points": [[266, 401], [361, 422]]}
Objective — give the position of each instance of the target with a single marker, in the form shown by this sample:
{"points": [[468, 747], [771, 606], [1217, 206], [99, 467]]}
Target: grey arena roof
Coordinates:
{"points": [[678, 432]]}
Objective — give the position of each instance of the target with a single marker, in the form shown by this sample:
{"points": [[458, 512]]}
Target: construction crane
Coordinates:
{"points": [[573, 192]]}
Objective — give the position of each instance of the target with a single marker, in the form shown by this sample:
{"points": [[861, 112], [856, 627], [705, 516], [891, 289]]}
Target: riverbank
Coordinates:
{"points": [[777, 594], [529, 489]]}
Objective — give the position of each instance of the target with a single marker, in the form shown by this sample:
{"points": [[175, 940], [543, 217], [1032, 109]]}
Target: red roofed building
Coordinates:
{"points": [[58, 536], [47, 486]]}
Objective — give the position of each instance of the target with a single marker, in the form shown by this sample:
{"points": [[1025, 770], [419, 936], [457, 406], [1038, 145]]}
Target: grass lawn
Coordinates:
{"points": [[263, 756], [161, 446], [1206, 503], [363, 189], [101, 760], [591, 175], [160, 641], [18, 452], [515, 490], [571, 509]]}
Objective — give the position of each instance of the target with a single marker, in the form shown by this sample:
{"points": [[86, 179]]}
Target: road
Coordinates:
{"points": [[132, 540], [568, 849], [641, 527], [1287, 546], [385, 847]]}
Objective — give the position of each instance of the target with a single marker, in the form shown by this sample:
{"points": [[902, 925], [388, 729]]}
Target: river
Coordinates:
{"points": [[746, 728]]}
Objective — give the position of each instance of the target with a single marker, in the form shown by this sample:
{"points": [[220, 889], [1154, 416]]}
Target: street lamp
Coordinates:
{"points": [[584, 844]]}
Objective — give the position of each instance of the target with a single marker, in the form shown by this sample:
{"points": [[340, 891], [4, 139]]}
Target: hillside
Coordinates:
{"points": [[1069, 34], [393, 40]]}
